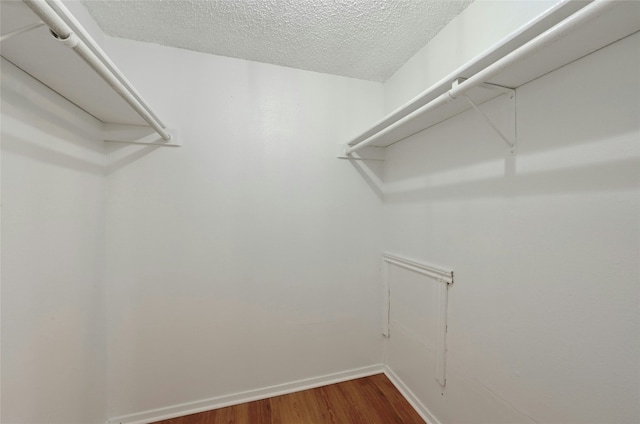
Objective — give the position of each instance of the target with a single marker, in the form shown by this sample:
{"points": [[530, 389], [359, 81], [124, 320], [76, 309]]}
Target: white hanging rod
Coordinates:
{"points": [[89, 51], [61, 10], [585, 14]]}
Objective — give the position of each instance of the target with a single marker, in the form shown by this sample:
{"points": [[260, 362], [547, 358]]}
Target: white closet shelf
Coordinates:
{"points": [[47, 42], [566, 32]]}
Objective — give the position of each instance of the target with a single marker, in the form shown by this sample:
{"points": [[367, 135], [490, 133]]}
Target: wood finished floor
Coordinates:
{"points": [[369, 400]]}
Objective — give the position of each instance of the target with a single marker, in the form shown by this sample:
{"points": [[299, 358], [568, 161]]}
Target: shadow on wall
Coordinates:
{"points": [[25, 102], [613, 175], [137, 153], [371, 172], [462, 158], [578, 131], [25, 147], [65, 136], [21, 93]]}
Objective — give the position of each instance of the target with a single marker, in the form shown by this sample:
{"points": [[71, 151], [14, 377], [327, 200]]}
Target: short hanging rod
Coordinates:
{"points": [[590, 11], [111, 76]]}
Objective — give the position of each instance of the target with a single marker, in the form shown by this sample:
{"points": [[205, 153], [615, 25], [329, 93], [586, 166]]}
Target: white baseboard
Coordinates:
{"points": [[248, 396], [413, 400]]}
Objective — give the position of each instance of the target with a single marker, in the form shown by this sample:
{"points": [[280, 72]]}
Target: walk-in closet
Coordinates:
{"points": [[320, 211]]}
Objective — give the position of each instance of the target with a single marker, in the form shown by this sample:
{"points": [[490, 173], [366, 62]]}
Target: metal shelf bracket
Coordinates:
{"points": [[366, 153], [508, 134]]}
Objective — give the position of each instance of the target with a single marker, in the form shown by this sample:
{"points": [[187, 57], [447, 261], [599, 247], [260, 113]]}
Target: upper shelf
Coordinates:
{"points": [[600, 24], [64, 57], [43, 57]]}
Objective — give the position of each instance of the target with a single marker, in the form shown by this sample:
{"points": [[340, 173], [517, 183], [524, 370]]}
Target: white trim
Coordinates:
{"points": [[247, 396], [437, 273], [386, 299], [413, 400], [441, 338], [441, 274]]}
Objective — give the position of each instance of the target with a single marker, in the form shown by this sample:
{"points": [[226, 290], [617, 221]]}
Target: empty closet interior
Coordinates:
{"points": [[183, 229]]}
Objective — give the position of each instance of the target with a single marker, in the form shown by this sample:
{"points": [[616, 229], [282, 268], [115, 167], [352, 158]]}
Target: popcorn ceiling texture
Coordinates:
{"points": [[365, 39]]}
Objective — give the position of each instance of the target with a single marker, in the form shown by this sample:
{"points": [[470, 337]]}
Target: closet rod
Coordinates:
{"points": [[585, 14], [96, 59]]}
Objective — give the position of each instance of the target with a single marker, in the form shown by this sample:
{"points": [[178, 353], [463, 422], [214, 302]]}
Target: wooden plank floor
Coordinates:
{"points": [[369, 400]]}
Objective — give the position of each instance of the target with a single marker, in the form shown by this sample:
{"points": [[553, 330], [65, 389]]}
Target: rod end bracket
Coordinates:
{"points": [[364, 153]]}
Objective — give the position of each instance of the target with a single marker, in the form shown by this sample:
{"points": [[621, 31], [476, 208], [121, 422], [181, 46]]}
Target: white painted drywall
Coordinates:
{"points": [[53, 314], [476, 29], [250, 256], [544, 312]]}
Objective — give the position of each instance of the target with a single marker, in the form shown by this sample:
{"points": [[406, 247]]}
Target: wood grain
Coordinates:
{"points": [[369, 400]]}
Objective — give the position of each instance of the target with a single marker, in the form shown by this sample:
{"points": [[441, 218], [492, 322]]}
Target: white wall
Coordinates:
{"points": [[53, 315], [248, 257], [476, 29], [544, 313]]}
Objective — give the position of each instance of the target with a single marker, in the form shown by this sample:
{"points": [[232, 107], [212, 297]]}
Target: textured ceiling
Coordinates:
{"points": [[366, 39]]}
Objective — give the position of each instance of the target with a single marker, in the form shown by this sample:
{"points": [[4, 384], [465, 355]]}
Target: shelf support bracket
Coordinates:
{"points": [[365, 153], [507, 134], [137, 134]]}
